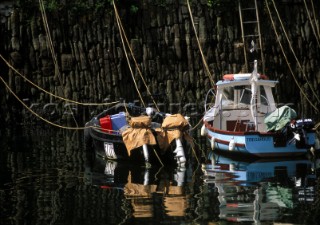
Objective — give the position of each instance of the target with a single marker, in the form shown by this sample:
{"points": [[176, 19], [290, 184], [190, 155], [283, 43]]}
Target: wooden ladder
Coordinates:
{"points": [[250, 30]]}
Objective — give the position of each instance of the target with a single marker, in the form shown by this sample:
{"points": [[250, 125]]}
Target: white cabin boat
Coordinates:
{"points": [[245, 119]]}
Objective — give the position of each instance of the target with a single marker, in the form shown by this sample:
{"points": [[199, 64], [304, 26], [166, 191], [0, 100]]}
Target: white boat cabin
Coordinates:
{"points": [[241, 103]]}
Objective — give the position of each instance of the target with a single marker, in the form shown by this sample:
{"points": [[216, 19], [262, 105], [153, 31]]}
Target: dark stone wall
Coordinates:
{"points": [[93, 67]]}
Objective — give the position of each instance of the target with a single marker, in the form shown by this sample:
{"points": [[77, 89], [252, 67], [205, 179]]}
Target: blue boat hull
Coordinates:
{"points": [[259, 144]]}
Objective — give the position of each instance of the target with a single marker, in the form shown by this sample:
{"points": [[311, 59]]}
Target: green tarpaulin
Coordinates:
{"points": [[279, 118]]}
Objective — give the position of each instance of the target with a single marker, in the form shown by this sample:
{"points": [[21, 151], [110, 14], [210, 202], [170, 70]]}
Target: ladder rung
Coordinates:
{"points": [[252, 35], [248, 9], [250, 22]]}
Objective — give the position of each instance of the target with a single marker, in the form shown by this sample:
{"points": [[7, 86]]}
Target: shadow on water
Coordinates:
{"points": [[46, 177]]}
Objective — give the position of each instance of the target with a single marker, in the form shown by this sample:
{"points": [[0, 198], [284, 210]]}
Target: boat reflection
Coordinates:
{"points": [[149, 193], [263, 190]]}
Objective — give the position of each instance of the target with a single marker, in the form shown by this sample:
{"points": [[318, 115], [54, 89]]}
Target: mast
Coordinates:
{"points": [[254, 90]]}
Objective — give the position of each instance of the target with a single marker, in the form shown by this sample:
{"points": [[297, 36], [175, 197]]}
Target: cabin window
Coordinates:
{"points": [[239, 97], [227, 99], [263, 99], [236, 97], [245, 96]]}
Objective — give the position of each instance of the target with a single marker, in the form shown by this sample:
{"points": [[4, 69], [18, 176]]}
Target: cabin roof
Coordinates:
{"points": [[230, 83]]}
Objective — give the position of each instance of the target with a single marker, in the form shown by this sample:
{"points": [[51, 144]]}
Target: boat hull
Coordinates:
{"points": [[111, 146], [156, 138], [258, 144]]}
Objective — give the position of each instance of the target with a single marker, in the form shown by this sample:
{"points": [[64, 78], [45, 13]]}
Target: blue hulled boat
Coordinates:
{"points": [[244, 119]]}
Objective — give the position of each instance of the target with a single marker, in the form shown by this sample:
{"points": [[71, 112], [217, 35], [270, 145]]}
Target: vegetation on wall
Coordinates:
{"points": [[222, 4], [76, 6]]}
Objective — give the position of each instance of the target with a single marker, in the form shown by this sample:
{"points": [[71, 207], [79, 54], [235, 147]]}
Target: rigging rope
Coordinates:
{"points": [[285, 33], [56, 66], [312, 26], [47, 121], [34, 113], [283, 52], [127, 58], [315, 20], [134, 59], [199, 45], [49, 93]]}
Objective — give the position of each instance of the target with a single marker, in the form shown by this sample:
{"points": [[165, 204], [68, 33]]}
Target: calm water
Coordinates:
{"points": [[46, 177]]}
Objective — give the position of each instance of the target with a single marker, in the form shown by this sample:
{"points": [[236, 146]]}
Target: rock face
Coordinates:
{"points": [[91, 65]]}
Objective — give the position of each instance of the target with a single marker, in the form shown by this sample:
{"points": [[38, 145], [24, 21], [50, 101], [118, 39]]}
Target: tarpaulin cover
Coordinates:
{"points": [[279, 118], [138, 134], [175, 121], [140, 122], [173, 126]]}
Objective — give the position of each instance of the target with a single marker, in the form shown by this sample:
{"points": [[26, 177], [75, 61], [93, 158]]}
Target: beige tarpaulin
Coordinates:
{"points": [[173, 126], [139, 133]]}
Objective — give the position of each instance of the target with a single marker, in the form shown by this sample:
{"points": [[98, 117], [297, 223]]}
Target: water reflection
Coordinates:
{"points": [[46, 177], [156, 192], [261, 190]]}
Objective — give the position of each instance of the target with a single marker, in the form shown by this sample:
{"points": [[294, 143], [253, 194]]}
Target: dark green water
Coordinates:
{"points": [[46, 177]]}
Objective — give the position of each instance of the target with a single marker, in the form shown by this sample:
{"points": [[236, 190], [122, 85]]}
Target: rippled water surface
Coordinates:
{"points": [[46, 177]]}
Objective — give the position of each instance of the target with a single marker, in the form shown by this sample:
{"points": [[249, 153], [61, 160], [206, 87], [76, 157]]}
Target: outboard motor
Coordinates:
{"points": [[299, 129]]}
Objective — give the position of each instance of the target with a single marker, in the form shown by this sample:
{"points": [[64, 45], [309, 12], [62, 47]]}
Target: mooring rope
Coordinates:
{"points": [[290, 46], [51, 94], [199, 46], [283, 52], [127, 58], [194, 127], [316, 22], [155, 152], [36, 114], [44, 119], [55, 61], [133, 57], [310, 20]]}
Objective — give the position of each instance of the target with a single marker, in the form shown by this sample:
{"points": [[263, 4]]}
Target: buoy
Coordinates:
{"points": [[232, 167], [179, 177], [213, 161], [242, 76], [312, 150], [203, 131], [181, 159], [146, 155], [146, 177], [212, 142], [232, 144]]}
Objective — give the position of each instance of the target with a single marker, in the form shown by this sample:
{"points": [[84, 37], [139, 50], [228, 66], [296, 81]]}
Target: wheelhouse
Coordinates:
{"points": [[236, 108]]}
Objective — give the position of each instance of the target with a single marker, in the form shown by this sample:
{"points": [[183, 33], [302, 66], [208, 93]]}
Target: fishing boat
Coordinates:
{"points": [[244, 119], [129, 132]]}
